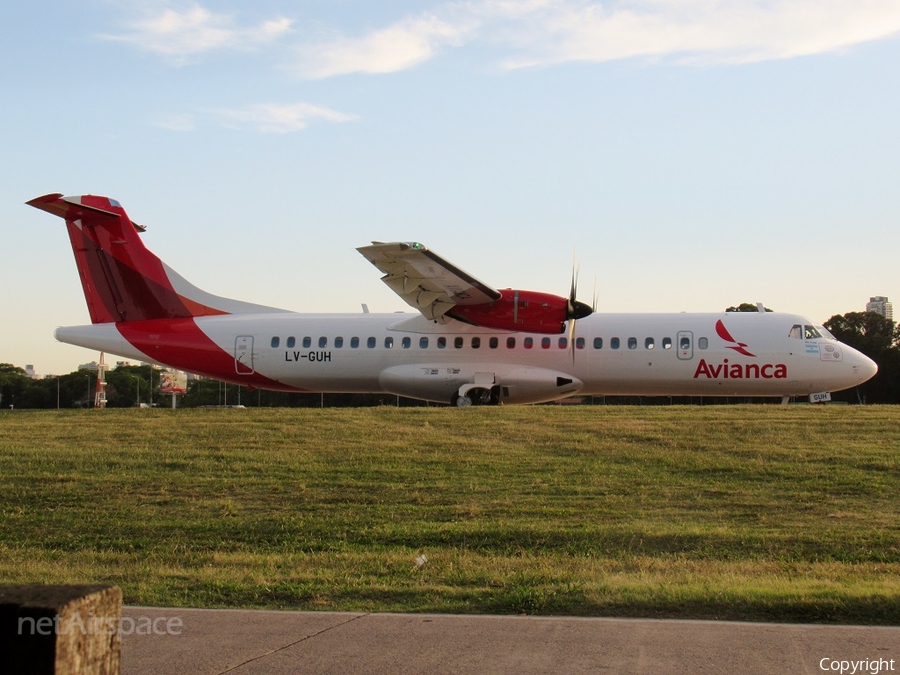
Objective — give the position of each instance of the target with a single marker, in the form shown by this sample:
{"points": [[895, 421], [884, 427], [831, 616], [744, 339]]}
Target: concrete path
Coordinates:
{"points": [[245, 642]]}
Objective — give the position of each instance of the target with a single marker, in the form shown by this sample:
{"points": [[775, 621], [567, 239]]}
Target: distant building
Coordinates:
{"points": [[881, 305], [29, 371], [93, 365]]}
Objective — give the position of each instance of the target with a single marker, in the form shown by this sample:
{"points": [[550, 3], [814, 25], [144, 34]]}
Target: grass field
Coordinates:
{"points": [[732, 512]]}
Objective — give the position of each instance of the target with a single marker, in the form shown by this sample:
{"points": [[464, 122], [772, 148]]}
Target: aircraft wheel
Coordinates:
{"points": [[481, 396], [463, 401]]}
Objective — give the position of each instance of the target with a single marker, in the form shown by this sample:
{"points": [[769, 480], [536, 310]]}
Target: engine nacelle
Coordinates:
{"points": [[524, 311]]}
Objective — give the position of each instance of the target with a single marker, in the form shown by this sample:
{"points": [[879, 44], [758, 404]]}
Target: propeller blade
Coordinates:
{"points": [[572, 338], [574, 308]]}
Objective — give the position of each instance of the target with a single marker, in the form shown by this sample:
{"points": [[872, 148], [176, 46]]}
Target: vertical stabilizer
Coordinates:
{"points": [[121, 278]]}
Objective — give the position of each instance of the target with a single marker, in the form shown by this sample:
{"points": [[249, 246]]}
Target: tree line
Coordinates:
{"points": [[879, 339], [132, 386]]}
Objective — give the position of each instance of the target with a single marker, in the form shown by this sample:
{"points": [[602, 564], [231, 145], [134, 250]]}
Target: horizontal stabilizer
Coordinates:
{"points": [[71, 208]]}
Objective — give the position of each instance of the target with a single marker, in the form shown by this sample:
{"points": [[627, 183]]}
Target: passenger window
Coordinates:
{"points": [[457, 343], [796, 331], [371, 342], [307, 342], [528, 342], [291, 342], [323, 342], [598, 343], [338, 342], [667, 343], [275, 342], [442, 342], [614, 343], [632, 343], [476, 343], [545, 343], [388, 342], [685, 343], [703, 343], [354, 342], [563, 342], [649, 343], [406, 343], [423, 343], [493, 343], [579, 343], [511, 343]]}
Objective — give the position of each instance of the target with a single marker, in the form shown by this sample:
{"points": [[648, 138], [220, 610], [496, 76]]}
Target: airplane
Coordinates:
{"points": [[467, 344]]}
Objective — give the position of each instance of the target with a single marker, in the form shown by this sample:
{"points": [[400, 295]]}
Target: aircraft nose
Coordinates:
{"points": [[862, 368], [867, 367]]}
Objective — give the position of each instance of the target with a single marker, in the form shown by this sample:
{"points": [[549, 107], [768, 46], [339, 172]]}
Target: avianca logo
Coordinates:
{"points": [[738, 371], [739, 347]]}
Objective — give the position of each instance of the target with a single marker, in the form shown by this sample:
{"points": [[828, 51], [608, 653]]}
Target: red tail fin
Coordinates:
{"points": [[121, 278]]}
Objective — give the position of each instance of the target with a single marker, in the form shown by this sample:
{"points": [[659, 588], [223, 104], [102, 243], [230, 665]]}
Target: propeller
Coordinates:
{"points": [[574, 308]]}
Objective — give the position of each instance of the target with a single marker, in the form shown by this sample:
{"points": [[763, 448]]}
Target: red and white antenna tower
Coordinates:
{"points": [[100, 392]]}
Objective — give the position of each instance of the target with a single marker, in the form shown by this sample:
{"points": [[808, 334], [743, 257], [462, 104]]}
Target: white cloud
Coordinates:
{"points": [[397, 47], [182, 34], [708, 31], [545, 32], [540, 32], [277, 118]]}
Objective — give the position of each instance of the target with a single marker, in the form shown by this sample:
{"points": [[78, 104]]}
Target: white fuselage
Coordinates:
{"points": [[408, 355]]}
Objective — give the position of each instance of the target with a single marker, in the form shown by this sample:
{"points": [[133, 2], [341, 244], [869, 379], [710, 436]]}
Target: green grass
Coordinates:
{"points": [[735, 512]]}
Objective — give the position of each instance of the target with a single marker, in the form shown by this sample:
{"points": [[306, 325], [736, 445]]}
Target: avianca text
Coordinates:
{"points": [[739, 371]]}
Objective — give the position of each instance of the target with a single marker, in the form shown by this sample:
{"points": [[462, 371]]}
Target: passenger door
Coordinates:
{"points": [[685, 345]]}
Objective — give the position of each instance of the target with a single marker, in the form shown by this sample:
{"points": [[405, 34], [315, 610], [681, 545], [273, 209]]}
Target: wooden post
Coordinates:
{"points": [[60, 630]]}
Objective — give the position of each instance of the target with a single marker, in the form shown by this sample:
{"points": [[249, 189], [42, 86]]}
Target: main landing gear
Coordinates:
{"points": [[474, 395]]}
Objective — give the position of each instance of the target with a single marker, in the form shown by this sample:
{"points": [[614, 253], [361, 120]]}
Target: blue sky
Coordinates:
{"points": [[694, 153]]}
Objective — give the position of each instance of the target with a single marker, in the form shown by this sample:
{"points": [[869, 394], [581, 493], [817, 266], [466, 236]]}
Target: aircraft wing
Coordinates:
{"points": [[425, 280]]}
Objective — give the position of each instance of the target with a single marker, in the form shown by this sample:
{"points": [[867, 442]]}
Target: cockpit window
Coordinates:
{"points": [[796, 331], [825, 333], [810, 333]]}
